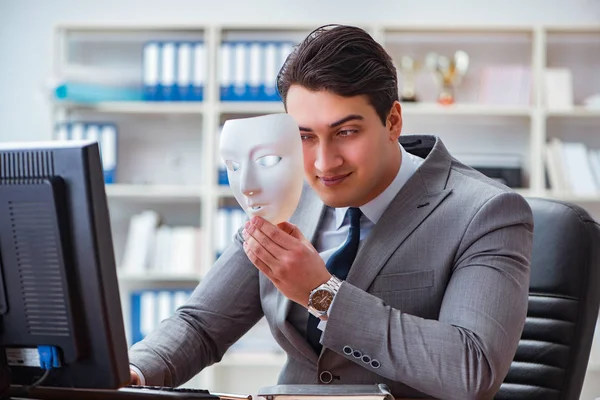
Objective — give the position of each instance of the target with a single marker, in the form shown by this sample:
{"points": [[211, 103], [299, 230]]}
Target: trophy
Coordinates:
{"points": [[448, 73], [409, 68]]}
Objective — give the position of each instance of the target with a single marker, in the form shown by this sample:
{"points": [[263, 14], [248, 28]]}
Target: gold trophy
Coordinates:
{"points": [[409, 68], [448, 73]]}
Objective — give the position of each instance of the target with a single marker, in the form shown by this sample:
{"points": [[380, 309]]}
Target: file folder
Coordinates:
{"points": [[103, 133], [199, 72], [226, 72], [185, 65], [108, 146], [167, 86], [151, 70], [150, 307], [271, 70]]}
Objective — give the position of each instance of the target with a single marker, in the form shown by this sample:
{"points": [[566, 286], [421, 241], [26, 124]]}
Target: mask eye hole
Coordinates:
{"points": [[232, 165], [268, 161]]}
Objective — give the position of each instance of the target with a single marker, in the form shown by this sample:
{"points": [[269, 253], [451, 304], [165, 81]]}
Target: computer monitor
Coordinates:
{"points": [[58, 282]]}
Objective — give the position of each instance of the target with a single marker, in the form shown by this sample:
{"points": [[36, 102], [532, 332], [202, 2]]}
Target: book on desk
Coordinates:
{"points": [[331, 392]]}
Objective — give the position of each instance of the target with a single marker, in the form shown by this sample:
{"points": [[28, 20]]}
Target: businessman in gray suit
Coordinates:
{"points": [[400, 265]]}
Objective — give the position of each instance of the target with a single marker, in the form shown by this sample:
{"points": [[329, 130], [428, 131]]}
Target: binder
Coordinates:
{"points": [[185, 65], [150, 307], [199, 72], [77, 131], [226, 69], [168, 86], [151, 70], [248, 70], [222, 178], [62, 132], [103, 133], [255, 66], [240, 81], [270, 72], [108, 145]]}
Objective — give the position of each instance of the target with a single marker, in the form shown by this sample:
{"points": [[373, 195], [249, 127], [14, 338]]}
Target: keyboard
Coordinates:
{"points": [[125, 393]]}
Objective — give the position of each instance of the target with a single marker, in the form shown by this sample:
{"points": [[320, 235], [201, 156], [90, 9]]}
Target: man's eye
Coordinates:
{"points": [[232, 165], [347, 132], [305, 137], [268, 161]]}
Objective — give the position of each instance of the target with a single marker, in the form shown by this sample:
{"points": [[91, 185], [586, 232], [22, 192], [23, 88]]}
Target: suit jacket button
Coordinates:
{"points": [[375, 363], [347, 350], [325, 377]]}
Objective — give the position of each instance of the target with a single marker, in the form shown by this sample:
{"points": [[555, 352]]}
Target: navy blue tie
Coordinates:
{"points": [[339, 265]]}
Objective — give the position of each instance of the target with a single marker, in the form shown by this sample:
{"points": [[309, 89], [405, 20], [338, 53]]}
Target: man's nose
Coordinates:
{"points": [[327, 158], [249, 183]]}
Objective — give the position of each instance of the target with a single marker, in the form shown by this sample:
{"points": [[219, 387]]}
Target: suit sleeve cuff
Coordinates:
{"points": [[323, 324], [139, 373]]}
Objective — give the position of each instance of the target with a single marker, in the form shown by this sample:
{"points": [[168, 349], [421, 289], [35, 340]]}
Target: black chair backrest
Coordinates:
{"points": [[564, 293]]}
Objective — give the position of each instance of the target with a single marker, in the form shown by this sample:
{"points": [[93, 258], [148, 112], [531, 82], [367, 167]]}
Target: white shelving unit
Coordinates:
{"points": [[167, 151]]}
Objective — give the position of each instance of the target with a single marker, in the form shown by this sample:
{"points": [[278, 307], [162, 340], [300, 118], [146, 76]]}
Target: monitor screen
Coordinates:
{"points": [[58, 282]]}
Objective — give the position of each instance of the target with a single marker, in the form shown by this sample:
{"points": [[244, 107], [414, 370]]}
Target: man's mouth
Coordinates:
{"points": [[333, 180]]}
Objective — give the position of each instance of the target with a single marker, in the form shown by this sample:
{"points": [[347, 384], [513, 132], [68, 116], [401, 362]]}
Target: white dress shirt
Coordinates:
{"points": [[336, 224]]}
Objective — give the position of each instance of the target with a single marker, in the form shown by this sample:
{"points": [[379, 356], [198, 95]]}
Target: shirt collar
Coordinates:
{"points": [[374, 209]]}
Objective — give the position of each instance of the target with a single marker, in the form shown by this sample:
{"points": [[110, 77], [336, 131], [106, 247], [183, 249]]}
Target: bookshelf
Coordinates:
{"points": [[167, 150]]}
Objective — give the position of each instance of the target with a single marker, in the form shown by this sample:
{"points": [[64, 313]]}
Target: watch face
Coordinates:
{"points": [[321, 300]]}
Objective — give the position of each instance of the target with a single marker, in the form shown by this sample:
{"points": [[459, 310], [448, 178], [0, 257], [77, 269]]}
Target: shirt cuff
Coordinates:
{"points": [[139, 373]]}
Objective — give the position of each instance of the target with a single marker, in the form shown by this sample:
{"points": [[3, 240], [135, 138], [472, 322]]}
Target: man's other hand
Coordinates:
{"points": [[134, 378], [286, 257]]}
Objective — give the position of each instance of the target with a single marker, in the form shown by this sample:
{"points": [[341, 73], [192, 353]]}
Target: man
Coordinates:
{"points": [[434, 301]]}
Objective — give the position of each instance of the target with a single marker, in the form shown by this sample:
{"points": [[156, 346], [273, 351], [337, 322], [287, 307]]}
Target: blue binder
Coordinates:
{"points": [[136, 299], [151, 70], [199, 72], [104, 133], [168, 67]]}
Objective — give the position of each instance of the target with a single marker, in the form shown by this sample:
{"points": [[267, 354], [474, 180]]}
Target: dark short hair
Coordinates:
{"points": [[344, 60]]}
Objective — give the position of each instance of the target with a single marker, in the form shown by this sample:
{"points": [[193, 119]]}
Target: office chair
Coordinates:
{"points": [[564, 293]]}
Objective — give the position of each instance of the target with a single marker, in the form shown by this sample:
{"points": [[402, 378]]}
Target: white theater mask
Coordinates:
{"points": [[263, 156]]}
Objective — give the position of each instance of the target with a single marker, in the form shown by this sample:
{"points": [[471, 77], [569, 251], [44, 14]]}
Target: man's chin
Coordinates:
{"points": [[329, 196]]}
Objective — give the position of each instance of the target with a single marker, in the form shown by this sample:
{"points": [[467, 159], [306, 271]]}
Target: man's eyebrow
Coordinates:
{"points": [[347, 118]]}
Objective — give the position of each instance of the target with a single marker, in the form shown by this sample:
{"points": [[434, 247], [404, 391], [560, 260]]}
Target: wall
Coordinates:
{"points": [[26, 32]]}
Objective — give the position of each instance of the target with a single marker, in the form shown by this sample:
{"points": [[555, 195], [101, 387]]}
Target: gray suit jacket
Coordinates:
{"points": [[433, 306]]}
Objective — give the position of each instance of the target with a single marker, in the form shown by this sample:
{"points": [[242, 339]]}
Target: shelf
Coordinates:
{"points": [[567, 197], [465, 109], [579, 112], [250, 107], [136, 107], [571, 198], [265, 359], [155, 192], [224, 191], [157, 277]]}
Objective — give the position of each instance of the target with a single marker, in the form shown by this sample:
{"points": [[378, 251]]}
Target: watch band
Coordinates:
{"points": [[332, 285]]}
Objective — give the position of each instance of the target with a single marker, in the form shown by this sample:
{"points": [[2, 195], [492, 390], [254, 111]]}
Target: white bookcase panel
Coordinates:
{"points": [[578, 50], [167, 151]]}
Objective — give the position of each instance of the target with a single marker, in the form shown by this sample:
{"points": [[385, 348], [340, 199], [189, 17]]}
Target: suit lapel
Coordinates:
{"points": [[307, 217], [423, 192]]}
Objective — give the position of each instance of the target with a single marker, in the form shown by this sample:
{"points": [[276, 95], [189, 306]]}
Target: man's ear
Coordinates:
{"points": [[394, 122]]}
